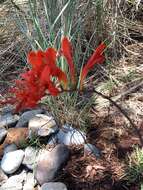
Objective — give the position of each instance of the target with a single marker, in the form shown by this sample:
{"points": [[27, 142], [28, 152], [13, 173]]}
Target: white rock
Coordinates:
{"points": [[42, 125], [30, 182], [15, 182], [26, 116], [70, 136], [11, 161], [30, 157]]}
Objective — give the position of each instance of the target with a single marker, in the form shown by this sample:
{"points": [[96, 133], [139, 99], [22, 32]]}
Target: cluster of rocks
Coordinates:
{"points": [[29, 168]]}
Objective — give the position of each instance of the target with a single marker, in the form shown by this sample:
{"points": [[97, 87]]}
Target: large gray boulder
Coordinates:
{"points": [[50, 162]]}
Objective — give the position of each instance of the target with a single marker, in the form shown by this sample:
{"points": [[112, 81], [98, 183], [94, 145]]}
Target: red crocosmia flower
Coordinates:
{"points": [[66, 51], [54, 71], [97, 57], [36, 59], [52, 89], [44, 64], [27, 94], [34, 84]]}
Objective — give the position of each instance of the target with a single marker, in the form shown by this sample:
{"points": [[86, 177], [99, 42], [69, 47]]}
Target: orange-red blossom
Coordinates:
{"points": [[34, 83]]}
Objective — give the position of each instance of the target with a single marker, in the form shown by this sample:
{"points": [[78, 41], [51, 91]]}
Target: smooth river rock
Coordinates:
{"points": [[42, 125], [30, 182], [70, 136], [30, 157], [16, 136], [50, 162], [54, 186], [11, 161], [14, 182], [26, 116]]}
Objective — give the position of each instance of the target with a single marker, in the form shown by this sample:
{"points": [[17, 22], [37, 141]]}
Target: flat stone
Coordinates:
{"points": [[10, 148], [30, 157], [26, 116], [14, 182], [11, 161], [54, 186], [16, 135], [49, 162], [91, 149], [8, 120], [3, 133], [70, 136], [42, 125], [30, 182]]}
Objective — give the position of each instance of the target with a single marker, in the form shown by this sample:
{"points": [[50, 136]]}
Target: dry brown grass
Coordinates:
{"points": [[12, 47]]}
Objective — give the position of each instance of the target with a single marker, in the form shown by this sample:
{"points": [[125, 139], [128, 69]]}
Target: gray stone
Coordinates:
{"points": [[91, 149], [70, 136], [54, 186], [3, 133], [10, 148], [8, 120], [52, 140], [3, 177], [50, 162], [6, 110], [30, 157], [42, 125], [26, 116], [30, 182], [14, 182], [11, 161]]}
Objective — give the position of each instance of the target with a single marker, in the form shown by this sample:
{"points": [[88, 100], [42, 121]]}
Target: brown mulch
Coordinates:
{"points": [[85, 172]]}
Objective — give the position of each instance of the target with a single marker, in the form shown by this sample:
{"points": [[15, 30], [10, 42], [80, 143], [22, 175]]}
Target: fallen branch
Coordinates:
{"points": [[123, 113]]}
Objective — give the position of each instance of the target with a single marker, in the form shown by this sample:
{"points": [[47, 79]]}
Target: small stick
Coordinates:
{"points": [[124, 113]]}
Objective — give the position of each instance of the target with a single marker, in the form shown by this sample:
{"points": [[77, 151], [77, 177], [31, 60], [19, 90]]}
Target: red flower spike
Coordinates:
{"points": [[66, 51], [61, 76], [50, 57], [34, 83], [36, 59], [97, 57], [52, 89], [53, 70]]}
